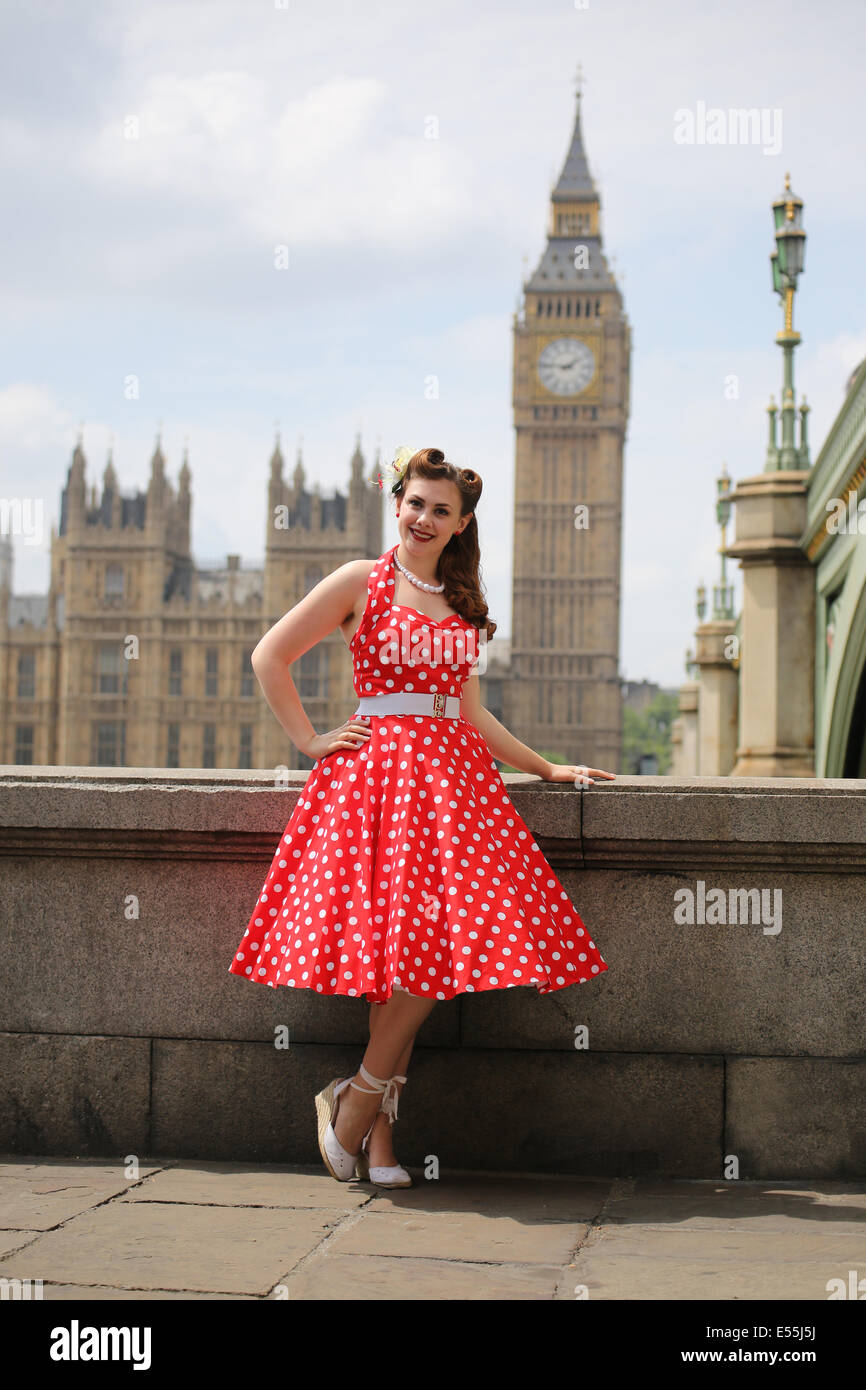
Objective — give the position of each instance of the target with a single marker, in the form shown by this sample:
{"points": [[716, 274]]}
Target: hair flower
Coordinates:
{"points": [[392, 472]]}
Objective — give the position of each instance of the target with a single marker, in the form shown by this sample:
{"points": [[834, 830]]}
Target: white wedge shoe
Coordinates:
{"points": [[393, 1175], [338, 1161], [341, 1164]]}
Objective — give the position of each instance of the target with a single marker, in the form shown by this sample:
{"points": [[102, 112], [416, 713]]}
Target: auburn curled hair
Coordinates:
{"points": [[460, 561]]}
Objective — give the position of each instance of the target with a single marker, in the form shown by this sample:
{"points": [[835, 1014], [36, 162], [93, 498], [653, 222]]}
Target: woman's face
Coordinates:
{"points": [[428, 515]]}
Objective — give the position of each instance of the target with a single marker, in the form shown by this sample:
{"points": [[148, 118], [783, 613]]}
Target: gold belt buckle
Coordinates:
{"points": [[438, 704]]}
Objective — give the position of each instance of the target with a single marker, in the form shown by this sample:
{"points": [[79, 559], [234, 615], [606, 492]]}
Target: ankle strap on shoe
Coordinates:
{"points": [[390, 1094], [391, 1097], [373, 1080]]}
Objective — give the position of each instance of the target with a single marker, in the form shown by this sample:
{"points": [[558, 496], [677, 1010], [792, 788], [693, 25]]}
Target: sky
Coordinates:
{"points": [[155, 156]]}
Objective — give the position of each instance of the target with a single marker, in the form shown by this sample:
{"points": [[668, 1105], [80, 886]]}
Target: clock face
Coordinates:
{"points": [[566, 366]]}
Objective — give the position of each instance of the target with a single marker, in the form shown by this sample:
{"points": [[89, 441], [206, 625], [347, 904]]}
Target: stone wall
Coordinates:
{"points": [[706, 1050]]}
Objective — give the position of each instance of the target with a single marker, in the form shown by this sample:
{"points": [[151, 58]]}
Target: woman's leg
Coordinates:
{"points": [[392, 1034], [380, 1148]]}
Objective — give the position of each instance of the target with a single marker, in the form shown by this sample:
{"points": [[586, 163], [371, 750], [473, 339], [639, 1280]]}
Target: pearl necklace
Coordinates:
{"points": [[419, 583]]}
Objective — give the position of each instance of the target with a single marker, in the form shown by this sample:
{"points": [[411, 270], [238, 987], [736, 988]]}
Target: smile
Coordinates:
{"points": [[420, 536]]}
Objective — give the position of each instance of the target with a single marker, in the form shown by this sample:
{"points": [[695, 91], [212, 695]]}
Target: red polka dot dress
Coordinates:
{"points": [[405, 864]]}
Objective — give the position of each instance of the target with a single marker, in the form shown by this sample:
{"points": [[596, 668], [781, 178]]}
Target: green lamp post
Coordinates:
{"points": [[723, 592], [787, 263]]}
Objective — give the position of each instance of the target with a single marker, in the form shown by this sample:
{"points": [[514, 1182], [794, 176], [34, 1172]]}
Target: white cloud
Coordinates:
{"points": [[31, 419], [325, 168]]}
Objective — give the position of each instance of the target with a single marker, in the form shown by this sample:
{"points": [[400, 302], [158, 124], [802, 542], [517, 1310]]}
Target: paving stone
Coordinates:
{"points": [[644, 1277], [536, 1196], [143, 1245], [213, 1229], [471, 1236], [292, 1185], [718, 1207], [251, 1185], [63, 1293], [15, 1240], [40, 1194], [367, 1277], [835, 1251], [825, 1189]]}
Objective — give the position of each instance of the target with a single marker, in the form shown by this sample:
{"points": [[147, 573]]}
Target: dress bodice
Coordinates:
{"points": [[399, 648]]}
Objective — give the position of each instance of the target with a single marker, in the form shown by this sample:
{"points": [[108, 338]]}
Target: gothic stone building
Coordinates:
{"points": [[138, 657]]}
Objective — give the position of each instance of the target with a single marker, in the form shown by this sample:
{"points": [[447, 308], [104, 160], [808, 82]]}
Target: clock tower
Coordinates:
{"points": [[570, 396]]}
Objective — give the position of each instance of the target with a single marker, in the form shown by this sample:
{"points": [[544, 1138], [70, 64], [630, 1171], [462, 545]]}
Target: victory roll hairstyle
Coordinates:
{"points": [[460, 561]]}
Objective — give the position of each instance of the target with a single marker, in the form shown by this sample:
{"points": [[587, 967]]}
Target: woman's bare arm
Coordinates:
{"points": [[324, 608], [509, 749], [501, 743]]}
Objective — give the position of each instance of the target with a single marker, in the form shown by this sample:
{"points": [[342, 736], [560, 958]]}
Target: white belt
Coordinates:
{"points": [[410, 702]]}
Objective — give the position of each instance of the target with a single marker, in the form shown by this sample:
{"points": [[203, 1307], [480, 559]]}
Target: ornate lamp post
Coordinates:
{"points": [[723, 592], [776, 667], [787, 263]]}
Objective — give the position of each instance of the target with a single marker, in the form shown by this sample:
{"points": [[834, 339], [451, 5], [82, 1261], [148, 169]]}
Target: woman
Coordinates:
{"points": [[405, 873]]}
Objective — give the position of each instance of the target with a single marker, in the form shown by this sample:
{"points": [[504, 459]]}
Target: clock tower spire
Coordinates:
{"points": [[570, 395], [574, 202]]}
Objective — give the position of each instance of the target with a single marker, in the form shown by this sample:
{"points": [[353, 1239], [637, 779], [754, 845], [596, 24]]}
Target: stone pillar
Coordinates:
{"points": [[777, 657], [717, 657], [685, 741]]}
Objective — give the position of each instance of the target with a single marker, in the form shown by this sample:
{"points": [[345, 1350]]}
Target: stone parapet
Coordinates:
{"points": [[707, 1041]]}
